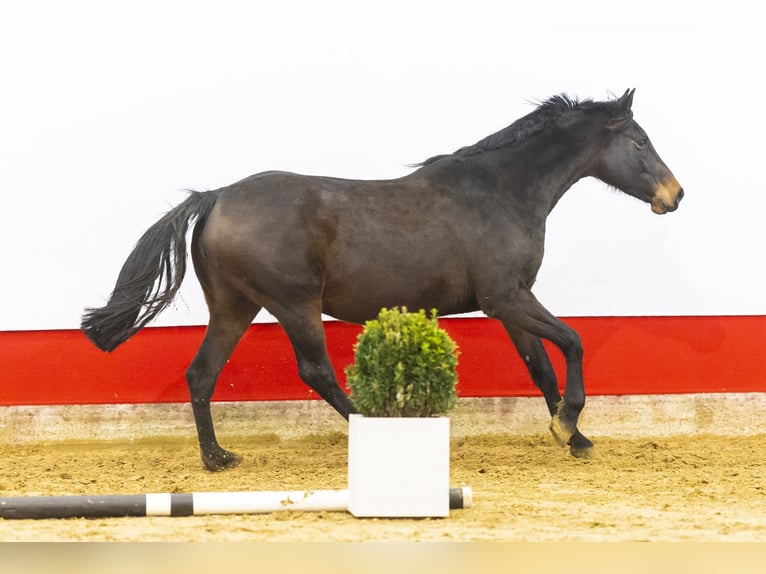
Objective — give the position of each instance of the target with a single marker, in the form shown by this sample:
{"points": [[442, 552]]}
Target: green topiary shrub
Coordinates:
{"points": [[404, 366]]}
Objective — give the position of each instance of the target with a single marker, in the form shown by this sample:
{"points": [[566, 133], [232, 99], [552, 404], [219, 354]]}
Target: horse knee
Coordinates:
{"points": [[572, 347]]}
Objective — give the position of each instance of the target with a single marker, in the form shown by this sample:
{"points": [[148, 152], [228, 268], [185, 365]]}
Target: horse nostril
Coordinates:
{"points": [[679, 196]]}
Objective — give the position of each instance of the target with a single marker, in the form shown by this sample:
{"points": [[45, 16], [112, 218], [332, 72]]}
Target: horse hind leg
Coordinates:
{"points": [[226, 327]]}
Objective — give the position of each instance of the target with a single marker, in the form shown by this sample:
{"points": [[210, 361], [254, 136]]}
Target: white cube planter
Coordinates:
{"points": [[398, 467]]}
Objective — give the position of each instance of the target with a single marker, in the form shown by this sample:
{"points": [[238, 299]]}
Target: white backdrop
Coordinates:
{"points": [[108, 110]]}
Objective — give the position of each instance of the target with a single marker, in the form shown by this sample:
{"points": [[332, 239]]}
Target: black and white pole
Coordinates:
{"points": [[194, 504]]}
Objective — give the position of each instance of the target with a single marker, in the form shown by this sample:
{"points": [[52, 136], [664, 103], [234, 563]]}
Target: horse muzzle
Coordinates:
{"points": [[667, 197]]}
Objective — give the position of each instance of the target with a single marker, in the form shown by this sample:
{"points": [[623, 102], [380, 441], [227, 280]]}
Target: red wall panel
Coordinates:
{"points": [[623, 355]]}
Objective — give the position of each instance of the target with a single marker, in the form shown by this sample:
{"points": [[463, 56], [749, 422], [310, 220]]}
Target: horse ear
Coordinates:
{"points": [[622, 113], [626, 101]]}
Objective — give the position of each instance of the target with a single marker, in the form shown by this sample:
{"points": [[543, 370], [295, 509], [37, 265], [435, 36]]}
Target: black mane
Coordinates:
{"points": [[546, 114]]}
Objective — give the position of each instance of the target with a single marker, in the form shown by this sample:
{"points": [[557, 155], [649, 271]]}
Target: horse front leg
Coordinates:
{"points": [[523, 313], [535, 357]]}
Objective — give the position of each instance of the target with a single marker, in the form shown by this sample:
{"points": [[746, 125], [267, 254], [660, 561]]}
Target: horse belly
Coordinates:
{"points": [[358, 296]]}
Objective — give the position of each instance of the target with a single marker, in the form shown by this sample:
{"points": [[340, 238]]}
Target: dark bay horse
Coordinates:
{"points": [[463, 232]]}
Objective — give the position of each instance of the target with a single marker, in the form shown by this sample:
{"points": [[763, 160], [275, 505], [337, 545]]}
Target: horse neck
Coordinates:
{"points": [[548, 168]]}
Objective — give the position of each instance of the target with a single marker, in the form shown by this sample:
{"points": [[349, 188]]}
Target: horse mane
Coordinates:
{"points": [[545, 115]]}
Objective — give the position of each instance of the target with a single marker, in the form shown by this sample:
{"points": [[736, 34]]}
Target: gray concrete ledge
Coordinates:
{"points": [[614, 416]]}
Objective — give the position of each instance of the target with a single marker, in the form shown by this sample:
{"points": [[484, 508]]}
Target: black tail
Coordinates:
{"points": [[149, 278]]}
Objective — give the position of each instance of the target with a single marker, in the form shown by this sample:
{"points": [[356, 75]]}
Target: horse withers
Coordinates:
{"points": [[463, 232]]}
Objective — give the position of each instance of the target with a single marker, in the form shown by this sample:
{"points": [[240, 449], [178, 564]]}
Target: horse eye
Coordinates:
{"points": [[640, 143]]}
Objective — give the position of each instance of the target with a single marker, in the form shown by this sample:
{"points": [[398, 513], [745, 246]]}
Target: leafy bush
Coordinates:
{"points": [[405, 366]]}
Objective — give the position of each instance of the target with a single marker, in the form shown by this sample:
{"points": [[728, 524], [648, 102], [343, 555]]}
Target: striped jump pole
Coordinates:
{"points": [[194, 504]]}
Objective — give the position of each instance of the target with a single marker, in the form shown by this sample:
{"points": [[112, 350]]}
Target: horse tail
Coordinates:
{"points": [[149, 278]]}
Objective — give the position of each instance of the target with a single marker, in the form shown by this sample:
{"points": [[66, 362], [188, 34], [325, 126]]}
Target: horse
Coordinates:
{"points": [[462, 232]]}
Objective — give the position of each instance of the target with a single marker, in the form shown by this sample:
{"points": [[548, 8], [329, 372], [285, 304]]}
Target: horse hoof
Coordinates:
{"points": [[580, 446], [560, 435], [579, 452], [225, 461]]}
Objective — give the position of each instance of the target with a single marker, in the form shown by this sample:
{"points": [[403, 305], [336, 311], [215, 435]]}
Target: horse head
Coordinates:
{"points": [[630, 163]]}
